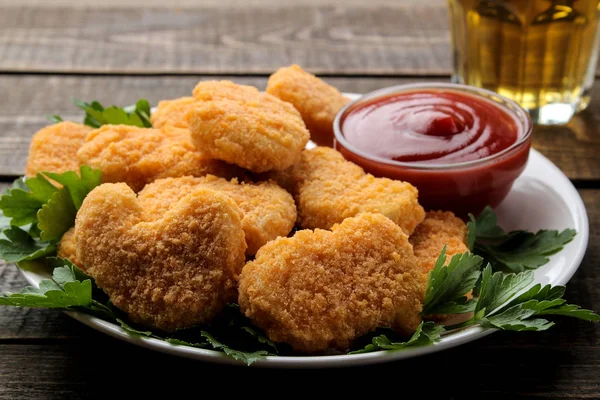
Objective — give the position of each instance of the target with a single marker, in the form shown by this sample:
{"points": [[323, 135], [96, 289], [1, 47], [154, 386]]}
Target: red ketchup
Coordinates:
{"points": [[461, 150]]}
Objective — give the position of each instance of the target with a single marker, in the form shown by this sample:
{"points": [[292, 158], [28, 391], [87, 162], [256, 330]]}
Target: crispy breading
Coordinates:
{"points": [[317, 101], [322, 289], [138, 156], [54, 148], [328, 188], [168, 271], [172, 113], [215, 90], [268, 210], [439, 228], [67, 248], [257, 131]]}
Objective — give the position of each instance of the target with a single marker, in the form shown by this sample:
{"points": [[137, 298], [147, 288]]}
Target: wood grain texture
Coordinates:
{"points": [[498, 366], [394, 37], [573, 148]]}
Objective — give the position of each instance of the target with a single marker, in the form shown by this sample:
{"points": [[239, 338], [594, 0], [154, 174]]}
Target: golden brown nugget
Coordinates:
{"points": [[138, 156], [437, 230], [167, 272], [317, 101], [268, 210], [260, 133], [322, 289], [328, 189], [54, 148], [215, 90], [172, 113], [67, 248]]}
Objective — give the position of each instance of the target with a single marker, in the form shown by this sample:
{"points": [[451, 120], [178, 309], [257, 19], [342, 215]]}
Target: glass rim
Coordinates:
{"points": [[522, 116]]}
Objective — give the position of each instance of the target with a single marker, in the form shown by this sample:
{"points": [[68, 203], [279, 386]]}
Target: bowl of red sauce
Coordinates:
{"points": [[461, 146]]}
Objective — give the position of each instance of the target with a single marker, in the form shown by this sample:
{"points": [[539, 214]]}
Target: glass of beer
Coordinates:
{"points": [[540, 53]]}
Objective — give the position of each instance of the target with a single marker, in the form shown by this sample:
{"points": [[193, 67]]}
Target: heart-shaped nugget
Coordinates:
{"points": [[167, 271], [322, 289]]}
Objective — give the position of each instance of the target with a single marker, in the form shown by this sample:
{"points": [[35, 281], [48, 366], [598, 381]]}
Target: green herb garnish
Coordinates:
{"points": [[39, 212], [514, 251], [97, 115]]}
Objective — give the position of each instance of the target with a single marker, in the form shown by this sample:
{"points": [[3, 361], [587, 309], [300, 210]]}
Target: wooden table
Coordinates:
{"points": [[117, 51]]}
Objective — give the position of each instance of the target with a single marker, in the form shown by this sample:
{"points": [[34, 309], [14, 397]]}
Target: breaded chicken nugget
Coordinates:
{"points": [[258, 132], [268, 210], [329, 189], [54, 148], [67, 248], [170, 271], [317, 101], [215, 90], [438, 229], [138, 156], [172, 113], [322, 289]]}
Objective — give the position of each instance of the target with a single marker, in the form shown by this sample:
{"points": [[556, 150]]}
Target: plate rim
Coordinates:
{"points": [[346, 360]]}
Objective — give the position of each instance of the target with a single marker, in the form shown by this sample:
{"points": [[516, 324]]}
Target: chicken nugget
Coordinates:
{"points": [[268, 210], [328, 189], [54, 148], [317, 101], [167, 272], [260, 132], [322, 289], [172, 113], [138, 156], [67, 248], [215, 90], [437, 230]]}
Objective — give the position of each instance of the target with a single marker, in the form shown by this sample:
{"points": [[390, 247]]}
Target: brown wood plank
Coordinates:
{"points": [[574, 148], [401, 37], [494, 367]]}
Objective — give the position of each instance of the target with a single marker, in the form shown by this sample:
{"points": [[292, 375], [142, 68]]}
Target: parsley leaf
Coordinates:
{"points": [[133, 331], [246, 357], [23, 201], [179, 342], [97, 115], [427, 333], [78, 185], [52, 295], [54, 118], [516, 319], [56, 216], [448, 285], [495, 311], [50, 211], [514, 251], [17, 246], [498, 288], [536, 301]]}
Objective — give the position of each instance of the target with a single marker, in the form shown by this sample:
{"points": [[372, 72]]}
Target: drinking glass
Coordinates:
{"points": [[540, 53]]}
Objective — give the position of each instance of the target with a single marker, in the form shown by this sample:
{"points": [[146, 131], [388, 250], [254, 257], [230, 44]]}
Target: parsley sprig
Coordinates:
{"points": [[499, 304], [514, 251], [37, 212], [97, 115]]}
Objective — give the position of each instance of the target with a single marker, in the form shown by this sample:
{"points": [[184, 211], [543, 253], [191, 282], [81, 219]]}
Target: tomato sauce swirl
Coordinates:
{"points": [[431, 127]]}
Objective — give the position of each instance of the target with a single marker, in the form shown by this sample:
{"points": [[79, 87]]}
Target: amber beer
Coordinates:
{"points": [[540, 53]]}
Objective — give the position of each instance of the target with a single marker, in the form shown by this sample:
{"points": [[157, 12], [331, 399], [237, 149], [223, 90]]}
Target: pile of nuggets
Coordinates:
{"points": [[197, 212]]}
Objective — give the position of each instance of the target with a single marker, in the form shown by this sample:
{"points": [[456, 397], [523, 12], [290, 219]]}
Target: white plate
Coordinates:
{"points": [[541, 198]]}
